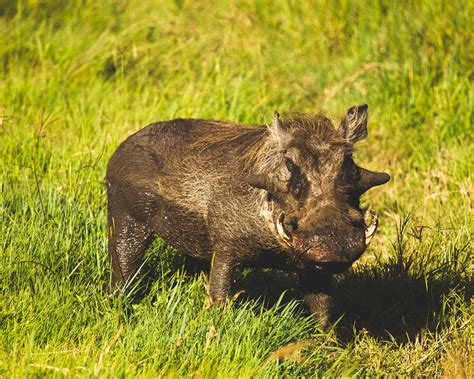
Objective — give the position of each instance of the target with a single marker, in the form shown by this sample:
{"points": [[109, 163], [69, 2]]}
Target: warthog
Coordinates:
{"points": [[284, 196]]}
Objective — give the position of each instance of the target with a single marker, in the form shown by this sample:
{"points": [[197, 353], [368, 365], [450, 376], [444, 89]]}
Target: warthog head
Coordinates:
{"points": [[313, 187]]}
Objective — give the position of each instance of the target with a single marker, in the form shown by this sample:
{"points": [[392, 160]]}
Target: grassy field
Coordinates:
{"points": [[77, 77]]}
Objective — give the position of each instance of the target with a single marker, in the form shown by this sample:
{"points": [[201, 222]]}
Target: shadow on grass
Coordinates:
{"points": [[389, 300], [384, 302], [392, 305]]}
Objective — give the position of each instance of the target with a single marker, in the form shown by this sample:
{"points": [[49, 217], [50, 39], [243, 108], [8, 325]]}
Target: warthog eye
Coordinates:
{"points": [[290, 165], [294, 223], [298, 184], [291, 223]]}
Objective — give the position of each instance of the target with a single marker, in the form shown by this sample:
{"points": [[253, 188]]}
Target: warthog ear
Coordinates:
{"points": [[354, 126], [278, 132]]}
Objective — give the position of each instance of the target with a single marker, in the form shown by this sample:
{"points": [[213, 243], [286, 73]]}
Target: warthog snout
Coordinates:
{"points": [[331, 248]]}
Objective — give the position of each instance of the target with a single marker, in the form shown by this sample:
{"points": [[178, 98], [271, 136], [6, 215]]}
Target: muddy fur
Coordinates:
{"points": [[215, 191]]}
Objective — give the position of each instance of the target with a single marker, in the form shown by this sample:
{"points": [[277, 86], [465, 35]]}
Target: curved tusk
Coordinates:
{"points": [[282, 233], [372, 228]]}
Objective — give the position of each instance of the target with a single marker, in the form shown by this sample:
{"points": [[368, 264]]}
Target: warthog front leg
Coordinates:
{"points": [[317, 291], [128, 240], [220, 278]]}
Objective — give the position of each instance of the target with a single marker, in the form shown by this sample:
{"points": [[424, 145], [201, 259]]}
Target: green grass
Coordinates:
{"points": [[78, 77]]}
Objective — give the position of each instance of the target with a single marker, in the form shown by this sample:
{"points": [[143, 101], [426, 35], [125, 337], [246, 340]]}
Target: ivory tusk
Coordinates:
{"points": [[372, 228], [285, 236]]}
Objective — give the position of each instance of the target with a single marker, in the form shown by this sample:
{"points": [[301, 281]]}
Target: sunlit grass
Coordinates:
{"points": [[77, 77]]}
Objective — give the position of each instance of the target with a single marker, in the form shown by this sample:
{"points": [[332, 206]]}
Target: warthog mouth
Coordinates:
{"points": [[321, 259], [333, 267]]}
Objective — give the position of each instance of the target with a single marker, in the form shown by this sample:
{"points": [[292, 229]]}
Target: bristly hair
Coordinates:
{"points": [[315, 122], [230, 133], [314, 126], [255, 142]]}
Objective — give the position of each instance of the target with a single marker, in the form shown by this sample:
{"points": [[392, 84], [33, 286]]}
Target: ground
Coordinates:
{"points": [[77, 77]]}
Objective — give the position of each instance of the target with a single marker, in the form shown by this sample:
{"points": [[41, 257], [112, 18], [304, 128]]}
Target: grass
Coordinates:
{"points": [[77, 77]]}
